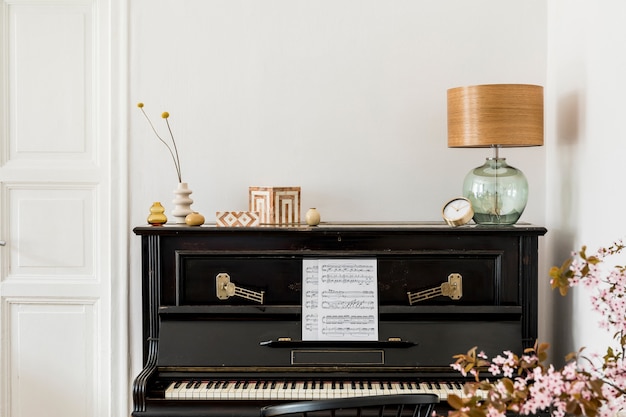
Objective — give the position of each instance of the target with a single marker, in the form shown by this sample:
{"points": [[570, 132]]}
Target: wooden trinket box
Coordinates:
{"points": [[276, 205]]}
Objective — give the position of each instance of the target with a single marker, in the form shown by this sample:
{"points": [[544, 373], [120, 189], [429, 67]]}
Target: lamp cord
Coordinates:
{"points": [[496, 150]]}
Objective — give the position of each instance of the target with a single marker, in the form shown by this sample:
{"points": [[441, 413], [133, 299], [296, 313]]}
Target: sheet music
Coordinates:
{"points": [[339, 299]]}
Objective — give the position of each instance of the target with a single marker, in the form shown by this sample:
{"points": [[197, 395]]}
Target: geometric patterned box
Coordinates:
{"points": [[276, 205], [237, 219]]}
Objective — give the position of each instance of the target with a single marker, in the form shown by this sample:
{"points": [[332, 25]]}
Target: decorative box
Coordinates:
{"points": [[276, 205], [236, 218]]}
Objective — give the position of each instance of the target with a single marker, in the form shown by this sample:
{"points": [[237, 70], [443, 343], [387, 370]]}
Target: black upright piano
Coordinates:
{"points": [[223, 314]]}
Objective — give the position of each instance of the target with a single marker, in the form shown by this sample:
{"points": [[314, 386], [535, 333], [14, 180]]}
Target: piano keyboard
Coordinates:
{"points": [[302, 390]]}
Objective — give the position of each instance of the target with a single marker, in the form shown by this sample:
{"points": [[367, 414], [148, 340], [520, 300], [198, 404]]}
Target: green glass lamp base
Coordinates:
{"points": [[498, 192]]}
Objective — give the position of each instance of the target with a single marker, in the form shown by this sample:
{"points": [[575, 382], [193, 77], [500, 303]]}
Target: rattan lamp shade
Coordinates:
{"points": [[505, 115]]}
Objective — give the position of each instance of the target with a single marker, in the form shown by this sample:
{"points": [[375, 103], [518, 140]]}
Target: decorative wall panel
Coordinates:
{"points": [[52, 352], [50, 53], [51, 232]]}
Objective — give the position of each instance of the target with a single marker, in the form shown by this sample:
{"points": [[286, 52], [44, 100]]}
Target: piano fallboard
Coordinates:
{"points": [[222, 312]]}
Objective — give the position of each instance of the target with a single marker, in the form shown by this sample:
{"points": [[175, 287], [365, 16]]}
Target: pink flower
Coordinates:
{"points": [[593, 379]]}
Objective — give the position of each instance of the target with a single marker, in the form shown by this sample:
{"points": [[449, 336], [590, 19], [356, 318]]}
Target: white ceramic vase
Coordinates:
{"points": [[312, 217], [182, 203]]}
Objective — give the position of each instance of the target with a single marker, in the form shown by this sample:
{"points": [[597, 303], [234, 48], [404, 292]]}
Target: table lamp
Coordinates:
{"points": [[495, 116]]}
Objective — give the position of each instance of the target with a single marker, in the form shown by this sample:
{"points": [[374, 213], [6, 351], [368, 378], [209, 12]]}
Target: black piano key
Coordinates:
{"points": [[189, 384], [178, 384], [210, 384]]}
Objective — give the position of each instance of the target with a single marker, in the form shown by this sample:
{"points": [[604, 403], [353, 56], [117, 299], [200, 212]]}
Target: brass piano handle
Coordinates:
{"points": [[225, 289], [453, 289]]}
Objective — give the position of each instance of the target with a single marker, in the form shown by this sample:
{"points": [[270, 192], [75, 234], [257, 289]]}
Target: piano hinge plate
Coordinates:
{"points": [[224, 289], [453, 288]]}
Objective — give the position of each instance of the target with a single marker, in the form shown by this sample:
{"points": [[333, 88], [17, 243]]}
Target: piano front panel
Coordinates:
{"points": [[195, 340], [280, 277], [227, 343]]}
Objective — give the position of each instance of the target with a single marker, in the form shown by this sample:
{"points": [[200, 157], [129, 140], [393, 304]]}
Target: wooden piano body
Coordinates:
{"points": [[222, 313]]}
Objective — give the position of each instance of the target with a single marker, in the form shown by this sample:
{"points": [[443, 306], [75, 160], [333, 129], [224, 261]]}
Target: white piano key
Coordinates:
{"points": [[172, 391], [237, 391], [198, 390], [298, 392], [392, 388], [188, 390], [220, 391], [249, 394], [272, 390], [209, 390], [284, 392], [308, 390], [230, 390], [455, 388]]}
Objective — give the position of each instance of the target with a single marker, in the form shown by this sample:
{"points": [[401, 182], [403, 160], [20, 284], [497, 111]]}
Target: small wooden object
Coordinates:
{"points": [[236, 219], [276, 205]]}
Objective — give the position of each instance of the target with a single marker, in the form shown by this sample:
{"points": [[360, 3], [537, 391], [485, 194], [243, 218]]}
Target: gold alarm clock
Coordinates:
{"points": [[458, 211]]}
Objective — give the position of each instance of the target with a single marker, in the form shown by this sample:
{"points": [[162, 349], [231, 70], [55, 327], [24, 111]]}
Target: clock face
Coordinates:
{"points": [[458, 211]]}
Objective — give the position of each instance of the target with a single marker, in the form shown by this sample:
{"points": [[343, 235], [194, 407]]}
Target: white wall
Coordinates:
{"points": [[585, 198], [345, 98]]}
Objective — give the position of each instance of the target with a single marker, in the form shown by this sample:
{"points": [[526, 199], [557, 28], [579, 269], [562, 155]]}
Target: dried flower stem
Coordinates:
{"points": [[167, 122], [173, 153]]}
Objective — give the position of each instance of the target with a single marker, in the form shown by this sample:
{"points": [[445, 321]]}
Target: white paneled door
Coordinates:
{"points": [[62, 274]]}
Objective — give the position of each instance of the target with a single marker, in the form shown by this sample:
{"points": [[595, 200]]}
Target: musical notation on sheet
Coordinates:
{"points": [[339, 299]]}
